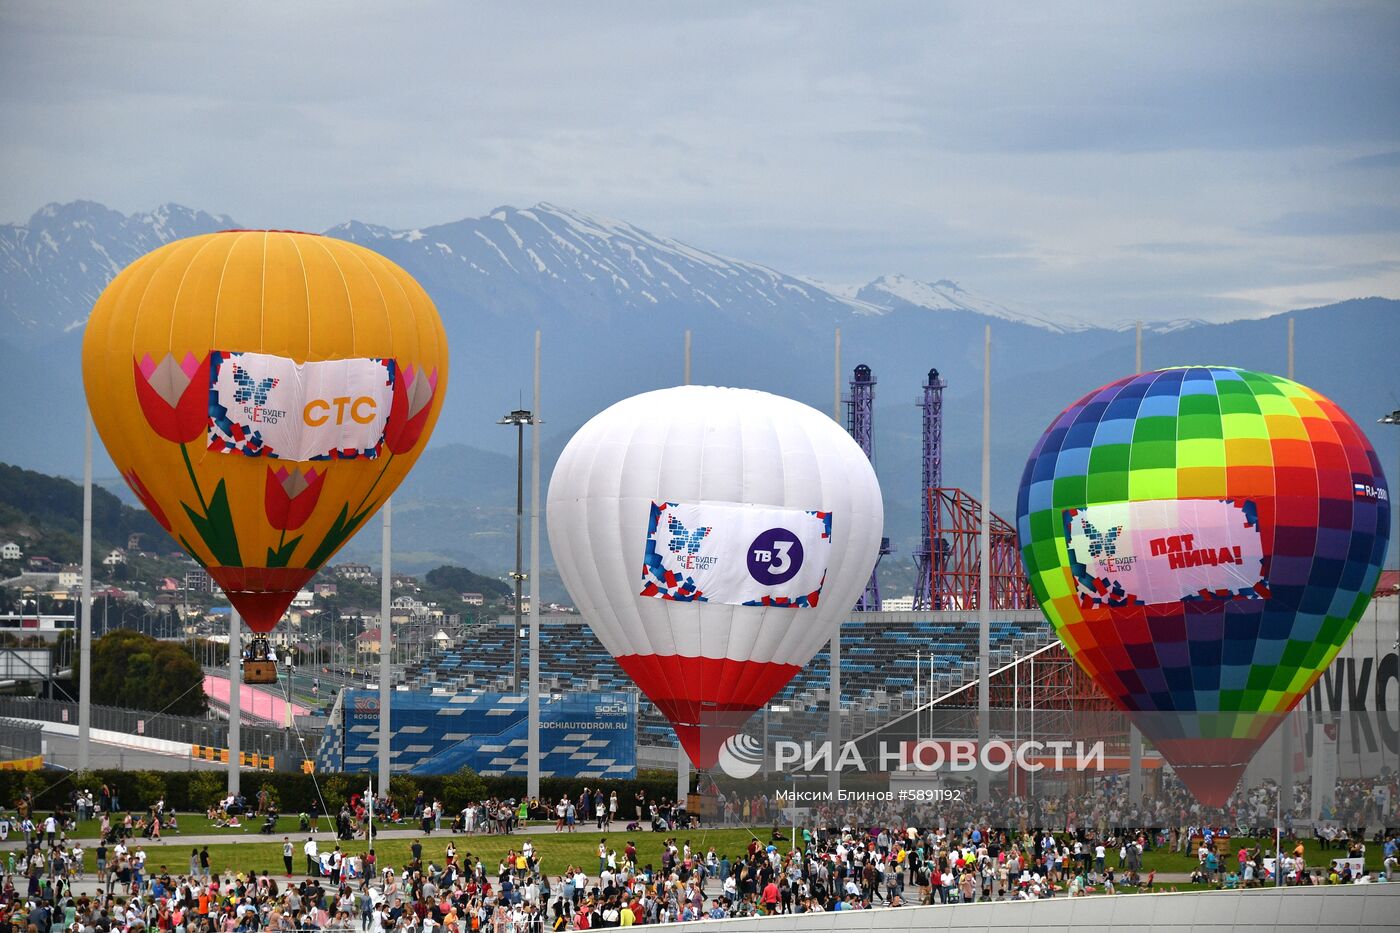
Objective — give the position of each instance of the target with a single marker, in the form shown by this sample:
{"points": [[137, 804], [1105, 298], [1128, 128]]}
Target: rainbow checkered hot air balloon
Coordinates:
{"points": [[1203, 541]]}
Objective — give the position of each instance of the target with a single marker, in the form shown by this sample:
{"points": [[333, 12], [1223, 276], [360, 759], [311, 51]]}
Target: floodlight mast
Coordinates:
{"points": [[518, 418]]}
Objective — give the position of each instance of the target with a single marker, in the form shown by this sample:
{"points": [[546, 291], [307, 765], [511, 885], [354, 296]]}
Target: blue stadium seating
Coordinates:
{"points": [[878, 676]]}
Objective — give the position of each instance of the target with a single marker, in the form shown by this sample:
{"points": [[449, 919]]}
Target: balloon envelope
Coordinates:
{"points": [[1203, 541], [714, 539], [263, 392]]}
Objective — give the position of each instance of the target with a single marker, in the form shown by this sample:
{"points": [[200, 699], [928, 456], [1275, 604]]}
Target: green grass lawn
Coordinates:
{"points": [[557, 852], [247, 850], [1165, 861], [198, 825]]}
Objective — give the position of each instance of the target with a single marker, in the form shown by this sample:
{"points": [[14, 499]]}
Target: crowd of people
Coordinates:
{"points": [[864, 856]]}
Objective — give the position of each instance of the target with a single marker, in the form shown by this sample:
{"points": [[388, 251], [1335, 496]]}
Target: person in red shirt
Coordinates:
{"points": [[770, 897]]}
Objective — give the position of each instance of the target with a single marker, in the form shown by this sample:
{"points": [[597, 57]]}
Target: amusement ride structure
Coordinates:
{"points": [[946, 560]]}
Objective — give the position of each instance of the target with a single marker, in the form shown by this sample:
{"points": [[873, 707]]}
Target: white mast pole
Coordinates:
{"points": [[235, 698], [386, 646], [532, 747], [833, 725], [1290, 347], [85, 632], [984, 584], [1134, 736]]}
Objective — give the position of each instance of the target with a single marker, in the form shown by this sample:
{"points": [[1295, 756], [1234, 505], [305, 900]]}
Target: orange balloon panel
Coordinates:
{"points": [[263, 392]]}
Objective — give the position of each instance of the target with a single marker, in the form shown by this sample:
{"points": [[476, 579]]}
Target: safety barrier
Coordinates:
{"points": [[245, 759], [32, 763], [181, 729], [21, 746], [1359, 907]]}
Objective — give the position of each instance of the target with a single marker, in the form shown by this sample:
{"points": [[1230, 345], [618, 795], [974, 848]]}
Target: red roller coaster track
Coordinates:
{"points": [[955, 525]]}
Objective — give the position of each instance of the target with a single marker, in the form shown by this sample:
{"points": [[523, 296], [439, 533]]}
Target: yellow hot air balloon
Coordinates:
{"points": [[262, 393]]}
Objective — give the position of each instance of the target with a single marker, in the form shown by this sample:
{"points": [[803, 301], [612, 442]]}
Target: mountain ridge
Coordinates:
{"points": [[53, 268], [603, 341]]}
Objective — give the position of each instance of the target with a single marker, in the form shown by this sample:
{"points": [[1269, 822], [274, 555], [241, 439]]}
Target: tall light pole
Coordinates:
{"points": [[519, 418], [532, 738]]}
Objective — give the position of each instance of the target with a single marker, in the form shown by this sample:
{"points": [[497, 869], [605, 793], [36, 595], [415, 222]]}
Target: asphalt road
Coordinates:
{"points": [[63, 750]]}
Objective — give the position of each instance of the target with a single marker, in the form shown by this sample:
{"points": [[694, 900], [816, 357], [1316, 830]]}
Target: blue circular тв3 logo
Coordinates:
{"points": [[775, 557]]}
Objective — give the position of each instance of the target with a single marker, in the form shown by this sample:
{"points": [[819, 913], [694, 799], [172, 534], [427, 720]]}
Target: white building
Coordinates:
{"points": [[11, 551], [305, 599], [115, 556], [70, 576], [897, 604], [474, 599]]}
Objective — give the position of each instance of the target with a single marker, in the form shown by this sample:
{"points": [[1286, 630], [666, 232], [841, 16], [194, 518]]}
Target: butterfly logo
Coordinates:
{"points": [[1103, 544], [683, 540], [248, 388]]}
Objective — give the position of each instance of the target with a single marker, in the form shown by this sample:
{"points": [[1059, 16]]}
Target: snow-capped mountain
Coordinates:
{"points": [[897, 291], [549, 256], [53, 268], [539, 263], [613, 301]]}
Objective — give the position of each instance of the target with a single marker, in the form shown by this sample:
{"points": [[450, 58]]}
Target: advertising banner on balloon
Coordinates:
{"points": [[1166, 551], [262, 405], [736, 554]]}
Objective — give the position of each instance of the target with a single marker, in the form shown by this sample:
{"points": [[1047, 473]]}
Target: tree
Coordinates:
{"points": [[137, 671], [462, 580], [206, 788], [462, 788]]}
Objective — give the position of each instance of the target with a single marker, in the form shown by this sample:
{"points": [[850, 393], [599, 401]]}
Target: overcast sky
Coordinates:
{"points": [[1105, 161]]}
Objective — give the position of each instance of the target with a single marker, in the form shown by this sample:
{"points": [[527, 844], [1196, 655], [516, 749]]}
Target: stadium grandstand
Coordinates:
{"points": [[880, 652]]}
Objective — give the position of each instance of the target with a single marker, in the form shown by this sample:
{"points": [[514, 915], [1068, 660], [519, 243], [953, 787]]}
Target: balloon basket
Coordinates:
{"points": [[259, 664], [260, 672]]}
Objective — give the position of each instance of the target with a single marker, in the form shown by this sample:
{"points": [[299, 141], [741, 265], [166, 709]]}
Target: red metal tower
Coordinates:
{"points": [[955, 522]]}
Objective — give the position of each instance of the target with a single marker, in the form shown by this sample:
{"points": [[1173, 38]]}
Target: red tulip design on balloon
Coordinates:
{"points": [[174, 397], [148, 500], [290, 495], [408, 414]]}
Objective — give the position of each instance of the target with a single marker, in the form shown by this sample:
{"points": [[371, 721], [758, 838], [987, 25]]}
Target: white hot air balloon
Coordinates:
{"points": [[714, 539]]}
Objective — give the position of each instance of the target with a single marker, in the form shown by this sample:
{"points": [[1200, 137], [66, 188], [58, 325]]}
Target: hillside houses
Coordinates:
{"points": [[360, 573]]}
